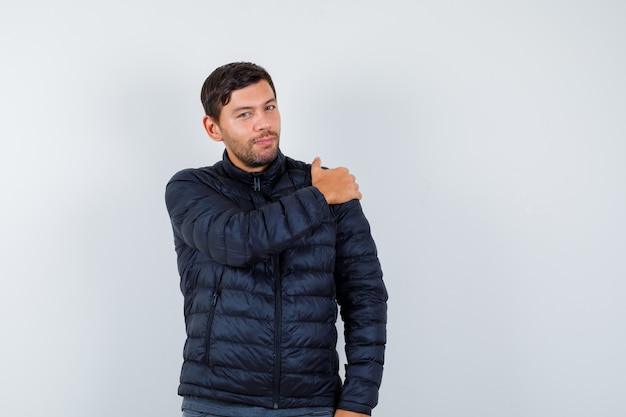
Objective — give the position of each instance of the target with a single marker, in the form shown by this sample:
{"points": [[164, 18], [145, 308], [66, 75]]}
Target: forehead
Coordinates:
{"points": [[254, 94]]}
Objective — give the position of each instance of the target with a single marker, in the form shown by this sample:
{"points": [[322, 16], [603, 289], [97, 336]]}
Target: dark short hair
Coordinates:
{"points": [[219, 86]]}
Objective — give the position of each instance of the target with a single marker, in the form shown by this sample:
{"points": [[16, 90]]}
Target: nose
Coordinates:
{"points": [[262, 122]]}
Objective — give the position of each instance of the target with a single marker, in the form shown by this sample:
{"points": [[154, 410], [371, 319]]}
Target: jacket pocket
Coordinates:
{"points": [[209, 325]]}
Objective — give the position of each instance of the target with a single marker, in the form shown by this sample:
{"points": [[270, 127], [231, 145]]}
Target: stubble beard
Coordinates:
{"points": [[265, 157]]}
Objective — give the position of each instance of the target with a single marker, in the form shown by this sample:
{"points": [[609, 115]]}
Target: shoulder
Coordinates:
{"points": [[192, 183], [298, 171], [198, 175], [291, 163]]}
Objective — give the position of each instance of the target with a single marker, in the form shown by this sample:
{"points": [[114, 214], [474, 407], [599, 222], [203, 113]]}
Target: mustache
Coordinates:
{"points": [[264, 136]]}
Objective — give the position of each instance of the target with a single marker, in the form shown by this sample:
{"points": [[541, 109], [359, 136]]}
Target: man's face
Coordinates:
{"points": [[249, 126]]}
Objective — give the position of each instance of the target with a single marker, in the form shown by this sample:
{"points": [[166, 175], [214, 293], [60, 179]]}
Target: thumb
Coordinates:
{"points": [[317, 163]]}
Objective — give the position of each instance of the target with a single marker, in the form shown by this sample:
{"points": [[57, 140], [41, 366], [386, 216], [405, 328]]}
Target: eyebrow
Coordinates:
{"points": [[238, 109]]}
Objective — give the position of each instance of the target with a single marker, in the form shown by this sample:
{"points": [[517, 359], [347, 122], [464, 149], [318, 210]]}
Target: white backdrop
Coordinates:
{"points": [[488, 139]]}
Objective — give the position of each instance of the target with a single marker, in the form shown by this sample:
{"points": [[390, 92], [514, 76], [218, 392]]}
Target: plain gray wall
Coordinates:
{"points": [[488, 139]]}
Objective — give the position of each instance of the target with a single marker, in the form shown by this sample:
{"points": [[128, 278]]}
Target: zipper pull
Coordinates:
{"points": [[257, 184], [215, 295]]}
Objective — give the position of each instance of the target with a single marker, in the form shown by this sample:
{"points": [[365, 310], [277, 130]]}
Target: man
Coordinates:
{"points": [[267, 247]]}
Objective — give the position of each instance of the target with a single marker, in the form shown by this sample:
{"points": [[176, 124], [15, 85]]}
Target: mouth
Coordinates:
{"points": [[265, 140]]}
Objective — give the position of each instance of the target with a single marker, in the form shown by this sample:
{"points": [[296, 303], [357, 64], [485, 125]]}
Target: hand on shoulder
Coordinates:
{"points": [[336, 184]]}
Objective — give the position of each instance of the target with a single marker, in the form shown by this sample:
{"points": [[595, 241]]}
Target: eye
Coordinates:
{"points": [[244, 115], [270, 107]]}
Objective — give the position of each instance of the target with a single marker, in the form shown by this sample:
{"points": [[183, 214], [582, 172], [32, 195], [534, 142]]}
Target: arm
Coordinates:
{"points": [[362, 297], [219, 228]]}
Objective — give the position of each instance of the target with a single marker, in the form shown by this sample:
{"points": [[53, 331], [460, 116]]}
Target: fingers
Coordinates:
{"points": [[357, 193], [338, 185]]}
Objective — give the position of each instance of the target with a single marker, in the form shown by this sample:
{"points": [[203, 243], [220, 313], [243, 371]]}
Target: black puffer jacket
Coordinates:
{"points": [[263, 261]]}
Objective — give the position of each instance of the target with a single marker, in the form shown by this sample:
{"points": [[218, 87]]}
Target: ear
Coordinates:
{"points": [[212, 128]]}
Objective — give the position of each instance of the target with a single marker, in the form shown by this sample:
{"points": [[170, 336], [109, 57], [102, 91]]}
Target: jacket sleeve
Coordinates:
{"points": [[218, 227], [362, 297]]}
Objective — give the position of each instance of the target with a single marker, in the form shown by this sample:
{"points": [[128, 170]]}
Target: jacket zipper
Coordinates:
{"points": [[209, 324], [277, 314], [278, 307]]}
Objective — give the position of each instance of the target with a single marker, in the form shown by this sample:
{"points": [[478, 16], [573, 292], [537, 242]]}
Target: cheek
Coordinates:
{"points": [[276, 120], [235, 131]]}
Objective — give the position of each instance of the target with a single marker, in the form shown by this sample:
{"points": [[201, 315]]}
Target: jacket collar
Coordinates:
{"points": [[259, 181]]}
